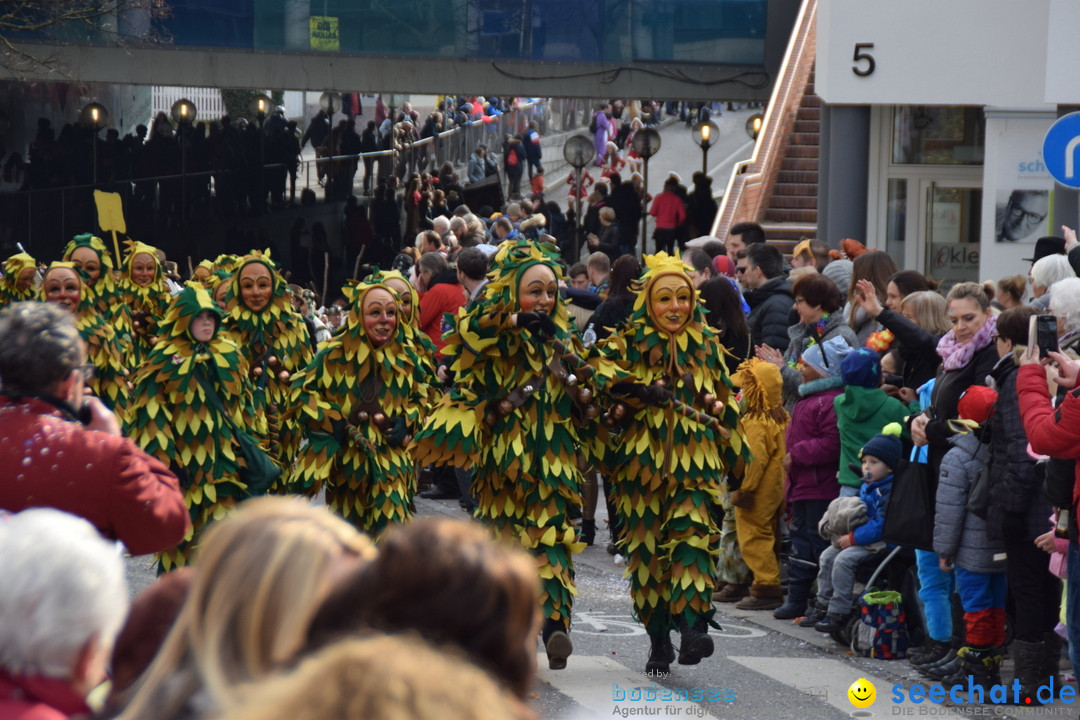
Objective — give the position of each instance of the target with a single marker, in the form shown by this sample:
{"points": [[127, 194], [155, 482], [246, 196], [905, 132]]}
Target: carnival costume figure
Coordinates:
{"points": [[271, 336], [674, 422], [17, 284], [356, 405], [63, 285], [91, 256], [513, 415], [192, 377], [146, 296]]}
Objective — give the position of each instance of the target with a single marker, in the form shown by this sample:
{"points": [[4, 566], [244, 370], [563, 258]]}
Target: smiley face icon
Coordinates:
{"points": [[862, 693]]}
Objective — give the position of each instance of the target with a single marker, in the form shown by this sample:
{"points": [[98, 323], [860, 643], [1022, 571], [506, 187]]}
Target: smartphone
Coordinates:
{"points": [[1042, 331]]}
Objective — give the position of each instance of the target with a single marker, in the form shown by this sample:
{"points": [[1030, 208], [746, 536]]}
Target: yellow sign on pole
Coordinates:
{"points": [[324, 33]]}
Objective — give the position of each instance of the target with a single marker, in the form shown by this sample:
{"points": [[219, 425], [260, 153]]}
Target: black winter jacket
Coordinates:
{"points": [[770, 313]]}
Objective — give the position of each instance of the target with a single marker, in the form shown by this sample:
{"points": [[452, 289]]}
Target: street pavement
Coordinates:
{"points": [[762, 669]]}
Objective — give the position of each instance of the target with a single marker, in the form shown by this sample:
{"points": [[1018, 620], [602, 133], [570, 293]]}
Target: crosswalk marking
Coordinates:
{"points": [[829, 680], [581, 681]]}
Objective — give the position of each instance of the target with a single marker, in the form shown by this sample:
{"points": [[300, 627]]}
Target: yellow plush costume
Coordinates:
{"points": [[147, 304], [760, 497], [667, 459]]}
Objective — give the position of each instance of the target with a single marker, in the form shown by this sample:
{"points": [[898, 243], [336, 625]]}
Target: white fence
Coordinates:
{"points": [[207, 101]]}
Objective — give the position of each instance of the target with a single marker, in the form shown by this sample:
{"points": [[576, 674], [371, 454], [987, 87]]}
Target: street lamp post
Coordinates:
{"points": [[578, 152], [704, 133], [183, 114], [330, 102], [646, 143], [753, 125], [260, 108], [94, 116]]}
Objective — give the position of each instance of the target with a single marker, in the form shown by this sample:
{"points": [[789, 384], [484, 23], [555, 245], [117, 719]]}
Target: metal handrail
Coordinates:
{"points": [[777, 122]]}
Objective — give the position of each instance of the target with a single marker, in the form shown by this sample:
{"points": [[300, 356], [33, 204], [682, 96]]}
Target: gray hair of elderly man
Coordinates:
{"points": [[1065, 302], [1049, 270], [63, 587], [39, 347]]}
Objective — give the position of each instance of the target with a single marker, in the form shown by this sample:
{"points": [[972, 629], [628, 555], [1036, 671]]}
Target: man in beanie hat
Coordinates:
{"points": [[863, 407], [813, 455], [836, 578], [963, 547]]}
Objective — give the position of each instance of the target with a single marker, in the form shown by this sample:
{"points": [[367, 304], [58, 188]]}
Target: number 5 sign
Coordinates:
{"points": [[1061, 150]]}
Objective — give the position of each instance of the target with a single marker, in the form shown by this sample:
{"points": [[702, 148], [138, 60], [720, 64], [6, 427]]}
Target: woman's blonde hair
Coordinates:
{"points": [[260, 575], [381, 678], [928, 307], [969, 291]]}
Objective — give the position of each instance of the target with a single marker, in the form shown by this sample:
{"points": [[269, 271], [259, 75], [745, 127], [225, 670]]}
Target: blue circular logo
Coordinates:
{"points": [[1061, 150]]}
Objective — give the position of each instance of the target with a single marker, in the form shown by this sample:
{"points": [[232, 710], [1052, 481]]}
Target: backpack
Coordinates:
{"points": [[882, 628], [512, 158], [592, 124]]}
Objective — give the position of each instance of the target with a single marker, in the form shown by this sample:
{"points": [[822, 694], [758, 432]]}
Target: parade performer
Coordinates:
{"points": [[146, 296], [409, 307], [91, 256], [271, 336], [17, 284], [668, 458], [512, 415], [173, 416], [63, 285], [357, 404]]}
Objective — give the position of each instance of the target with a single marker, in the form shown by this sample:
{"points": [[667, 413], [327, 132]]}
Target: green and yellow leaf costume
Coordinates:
{"points": [[13, 267], [274, 343], [666, 466], [334, 406], [104, 292], [170, 417], [526, 480], [147, 305], [103, 348]]}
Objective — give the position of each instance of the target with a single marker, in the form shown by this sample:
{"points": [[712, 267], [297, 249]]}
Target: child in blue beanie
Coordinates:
{"points": [[860, 411], [839, 561]]}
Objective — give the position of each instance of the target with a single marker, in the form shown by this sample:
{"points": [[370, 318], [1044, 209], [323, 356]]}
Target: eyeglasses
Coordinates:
{"points": [[995, 337], [87, 372], [1018, 213], [741, 270]]}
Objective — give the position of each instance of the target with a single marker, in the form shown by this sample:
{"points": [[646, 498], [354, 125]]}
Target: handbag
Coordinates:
{"points": [[909, 517], [258, 472]]}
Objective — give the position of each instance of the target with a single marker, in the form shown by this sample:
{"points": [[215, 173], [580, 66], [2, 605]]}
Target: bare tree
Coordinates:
{"points": [[73, 22]]}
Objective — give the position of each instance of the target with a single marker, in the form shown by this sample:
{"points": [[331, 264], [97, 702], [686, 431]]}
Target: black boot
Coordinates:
{"points": [[661, 654], [1051, 663], [587, 533], [815, 613], [696, 643], [942, 668], [1028, 663], [983, 664], [795, 604], [929, 654], [556, 643]]}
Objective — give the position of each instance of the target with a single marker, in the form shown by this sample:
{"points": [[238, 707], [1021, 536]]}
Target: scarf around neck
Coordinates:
{"points": [[955, 355]]}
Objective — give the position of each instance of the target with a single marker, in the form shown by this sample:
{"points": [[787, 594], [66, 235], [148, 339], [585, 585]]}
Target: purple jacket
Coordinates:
{"points": [[813, 441]]}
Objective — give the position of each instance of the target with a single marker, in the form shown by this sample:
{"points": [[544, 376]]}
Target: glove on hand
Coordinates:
{"points": [[646, 394], [537, 323], [395, 436]]}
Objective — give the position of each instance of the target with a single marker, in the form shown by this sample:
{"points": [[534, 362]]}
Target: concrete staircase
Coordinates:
{"points": [[791, 212]]}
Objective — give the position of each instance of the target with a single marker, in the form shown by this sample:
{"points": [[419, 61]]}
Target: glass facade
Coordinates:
{"points": [[611, 31], [924, 135]]}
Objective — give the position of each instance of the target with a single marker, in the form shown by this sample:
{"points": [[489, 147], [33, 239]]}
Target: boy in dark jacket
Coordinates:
{"points": [[836, 578]]}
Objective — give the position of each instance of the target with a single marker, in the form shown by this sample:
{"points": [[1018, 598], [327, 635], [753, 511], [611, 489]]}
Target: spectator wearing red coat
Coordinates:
{"points": [[670, 213], [50, 459], [440, 293]]}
